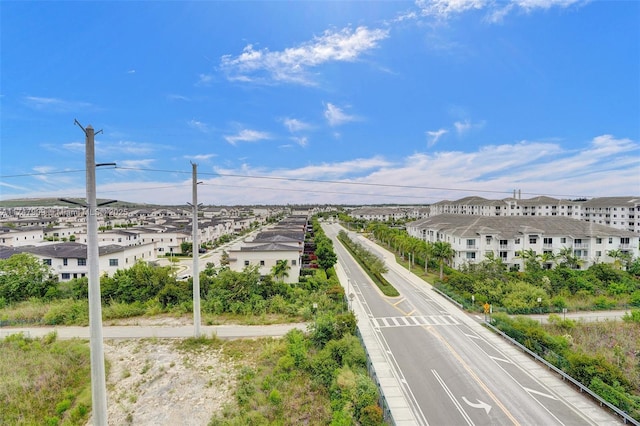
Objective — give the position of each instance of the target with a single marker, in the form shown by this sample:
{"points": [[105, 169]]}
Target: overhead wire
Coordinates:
{"points": [[294, 179]]}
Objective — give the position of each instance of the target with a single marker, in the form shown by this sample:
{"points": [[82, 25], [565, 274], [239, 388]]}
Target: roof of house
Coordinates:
{"points": [[513, 226], [270, 247], [70, 250]]}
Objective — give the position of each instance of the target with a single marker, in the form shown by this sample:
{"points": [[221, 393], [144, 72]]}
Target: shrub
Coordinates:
{"points": [[371, 415]]}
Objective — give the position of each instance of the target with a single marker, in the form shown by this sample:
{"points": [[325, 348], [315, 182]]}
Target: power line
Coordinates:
{"points": [[314, 191], [42, 173], [337, 182]]}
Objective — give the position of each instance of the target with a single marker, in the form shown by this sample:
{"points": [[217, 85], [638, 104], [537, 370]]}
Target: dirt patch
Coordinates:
{"points": [[153, 382]]}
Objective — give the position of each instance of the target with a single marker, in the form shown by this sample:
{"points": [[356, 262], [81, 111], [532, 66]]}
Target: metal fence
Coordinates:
{"points": [[583, 389]]}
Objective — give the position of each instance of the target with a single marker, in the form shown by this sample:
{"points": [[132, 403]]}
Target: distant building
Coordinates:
{"points": [[69, 259], [473, 237]]}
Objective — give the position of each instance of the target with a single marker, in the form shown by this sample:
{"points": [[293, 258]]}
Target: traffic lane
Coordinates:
{"points": [[507, 378], [535, 403], [444, 388]]}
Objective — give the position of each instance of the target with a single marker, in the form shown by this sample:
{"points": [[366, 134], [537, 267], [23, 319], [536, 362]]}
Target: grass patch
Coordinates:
{"points": [[44, 381]]}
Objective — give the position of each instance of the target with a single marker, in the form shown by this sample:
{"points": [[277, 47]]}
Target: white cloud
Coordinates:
{"points": [[174, 97], [605, 166], [198, 125], [135, 164], [336, 116], [294, 125], [496, 10], [55, 104], [445, 8], [302, 141], [434, 136], [465, 126], [200, 157], [204, 80], [292, 64], [462, 126], [247, 135]]}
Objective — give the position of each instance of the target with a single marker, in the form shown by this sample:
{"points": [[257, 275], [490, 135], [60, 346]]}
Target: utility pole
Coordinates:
{"points": [[98, 382], [196, 254]]}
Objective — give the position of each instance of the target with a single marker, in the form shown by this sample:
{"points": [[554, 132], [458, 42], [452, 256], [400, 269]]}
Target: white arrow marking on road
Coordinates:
{"points": [[539, 393], [486, 407]]}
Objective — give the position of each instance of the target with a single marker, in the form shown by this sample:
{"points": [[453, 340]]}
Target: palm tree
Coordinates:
{"points": [[428, 254], [280, 270], [568, 258], [442, 251], [547, 258], [616, 255], [530, 259]]}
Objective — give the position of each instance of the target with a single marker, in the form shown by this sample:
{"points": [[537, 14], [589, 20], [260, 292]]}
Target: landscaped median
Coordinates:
{"points": [[372, 264]]}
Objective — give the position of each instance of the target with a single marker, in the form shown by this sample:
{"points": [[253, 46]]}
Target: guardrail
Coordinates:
{"points": [[382, 400], [583, 389]]}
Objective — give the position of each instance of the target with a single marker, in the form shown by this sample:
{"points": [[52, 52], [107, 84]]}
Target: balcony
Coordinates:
{"points": [[580, 245]]}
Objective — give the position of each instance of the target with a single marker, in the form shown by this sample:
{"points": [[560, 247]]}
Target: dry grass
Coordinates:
{"points": [[617, 341]]}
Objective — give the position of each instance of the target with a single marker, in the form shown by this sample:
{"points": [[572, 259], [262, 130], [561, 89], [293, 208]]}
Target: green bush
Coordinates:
{"points": [[67, 312]]}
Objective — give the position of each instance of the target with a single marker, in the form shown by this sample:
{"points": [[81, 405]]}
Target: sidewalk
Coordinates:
{"points": [[151, 331]]}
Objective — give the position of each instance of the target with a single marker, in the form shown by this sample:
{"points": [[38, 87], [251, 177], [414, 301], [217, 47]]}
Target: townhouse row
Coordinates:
{"points": [[284, 241]]}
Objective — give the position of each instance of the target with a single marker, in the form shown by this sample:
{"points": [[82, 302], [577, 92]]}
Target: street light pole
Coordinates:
{"points": [[98, 381], [195, 250]]}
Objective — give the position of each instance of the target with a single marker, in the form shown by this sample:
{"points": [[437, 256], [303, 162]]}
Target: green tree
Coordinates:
{"points": [[443, 252], [280, 270], [186, 247], [23, 276], [326, 256]]}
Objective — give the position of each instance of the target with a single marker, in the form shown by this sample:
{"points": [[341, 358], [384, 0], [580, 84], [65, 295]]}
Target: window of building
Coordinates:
{"points": [[598, 253], [46, 261], [547, 241], [517, 240], [610, 240], [113, 262], [563, 240], [246, 263], [471, 243], [66, 276], [624, 240], [471, 255], [262, 263], [293, 262], [503, 255], [82, 262], [65, 261], [533, 240], [598, 240]]}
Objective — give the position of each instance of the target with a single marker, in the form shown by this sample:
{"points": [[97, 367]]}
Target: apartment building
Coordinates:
{"points": [[473, 237], [617, 212]]}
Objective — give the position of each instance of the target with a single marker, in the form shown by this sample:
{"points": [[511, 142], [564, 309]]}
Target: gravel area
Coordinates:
{"points": [[152, 382]]}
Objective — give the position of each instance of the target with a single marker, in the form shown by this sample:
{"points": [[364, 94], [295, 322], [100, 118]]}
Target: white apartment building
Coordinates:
{"points": [[69, 259], [473, 237], [21, 236], [617, 212]]}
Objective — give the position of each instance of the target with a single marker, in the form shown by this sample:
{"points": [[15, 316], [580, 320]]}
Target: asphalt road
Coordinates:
{"points": [[453, 371]]}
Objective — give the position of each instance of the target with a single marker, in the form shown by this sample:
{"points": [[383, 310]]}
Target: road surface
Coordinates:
{"points": [[452, 370]]}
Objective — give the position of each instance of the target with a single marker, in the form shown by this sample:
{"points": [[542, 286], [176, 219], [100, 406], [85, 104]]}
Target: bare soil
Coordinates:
{"points": [[153, 382]]}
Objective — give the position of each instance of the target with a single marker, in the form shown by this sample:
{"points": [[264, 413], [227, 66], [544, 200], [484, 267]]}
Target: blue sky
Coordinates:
{"points": [[321, 102]]}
